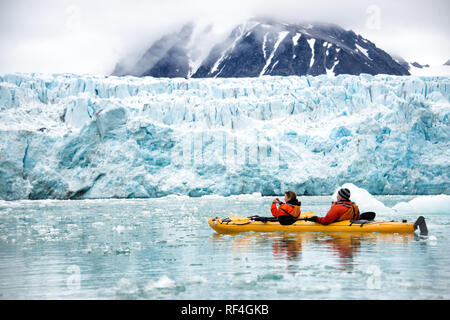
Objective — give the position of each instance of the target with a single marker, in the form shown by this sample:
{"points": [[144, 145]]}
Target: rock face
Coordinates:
{"points": [[259, 48], [420, 66]]}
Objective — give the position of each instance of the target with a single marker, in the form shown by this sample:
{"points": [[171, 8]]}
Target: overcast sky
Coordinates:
{"points": [[91, 36]]}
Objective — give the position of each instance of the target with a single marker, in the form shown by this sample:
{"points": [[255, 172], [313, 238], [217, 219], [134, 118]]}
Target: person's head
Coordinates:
{"points": [[343, 194], [290, 195]]}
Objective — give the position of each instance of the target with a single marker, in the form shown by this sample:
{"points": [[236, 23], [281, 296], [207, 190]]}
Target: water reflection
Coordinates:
{"points": [[345, 247], [290, 246], [287, 248], [135, 249]]}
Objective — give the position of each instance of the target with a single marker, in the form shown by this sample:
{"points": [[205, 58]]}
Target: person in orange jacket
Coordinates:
{"points": [[342, 209], [288, 212]]}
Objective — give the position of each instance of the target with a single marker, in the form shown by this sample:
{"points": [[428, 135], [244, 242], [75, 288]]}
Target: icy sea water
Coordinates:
{"points": [[164, 249]]}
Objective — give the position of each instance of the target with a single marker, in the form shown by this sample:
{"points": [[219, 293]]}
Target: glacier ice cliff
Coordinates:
{"points": [[68, 136]]}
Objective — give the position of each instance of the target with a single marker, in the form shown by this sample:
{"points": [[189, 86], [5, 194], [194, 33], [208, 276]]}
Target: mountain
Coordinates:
{"points": [[424, 70], [405, 64], [420, 66], [447, 63], [167, 57], [82, 136], [264, 47]]}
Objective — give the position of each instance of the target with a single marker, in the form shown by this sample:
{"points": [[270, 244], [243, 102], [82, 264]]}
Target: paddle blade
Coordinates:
{"points": [[420, 223]]}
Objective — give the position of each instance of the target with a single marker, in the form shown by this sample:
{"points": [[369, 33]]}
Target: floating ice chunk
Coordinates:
{"points": [[432, 240], [98, 225], [425, 205], [196, 279], [121, 229], [364, 200], [161, 283], [124, 288]]}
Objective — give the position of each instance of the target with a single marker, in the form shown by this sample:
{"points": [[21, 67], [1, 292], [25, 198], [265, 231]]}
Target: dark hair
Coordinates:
{"points": [[291, 194]]}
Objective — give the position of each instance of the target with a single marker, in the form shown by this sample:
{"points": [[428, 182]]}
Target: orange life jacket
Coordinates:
{"points": [[290, 209], [351, 214]]}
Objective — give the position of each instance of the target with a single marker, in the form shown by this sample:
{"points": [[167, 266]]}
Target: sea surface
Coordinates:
{"points": [[164, 249]]}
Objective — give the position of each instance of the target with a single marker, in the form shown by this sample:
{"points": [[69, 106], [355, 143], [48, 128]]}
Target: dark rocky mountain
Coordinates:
{"points": [[167, 57], [266, 47], [405, 64], [420, 66], [447, 63]]}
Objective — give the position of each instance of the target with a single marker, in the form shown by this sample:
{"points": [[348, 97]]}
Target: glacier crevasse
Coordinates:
{"points": [[69, 136]]}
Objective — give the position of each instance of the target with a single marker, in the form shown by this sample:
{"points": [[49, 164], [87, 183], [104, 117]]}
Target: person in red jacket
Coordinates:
{"points": [[342, 209], [288, 212]]}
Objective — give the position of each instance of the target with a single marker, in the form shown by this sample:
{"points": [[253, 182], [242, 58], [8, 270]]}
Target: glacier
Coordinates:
{"points": [[68, 136]]}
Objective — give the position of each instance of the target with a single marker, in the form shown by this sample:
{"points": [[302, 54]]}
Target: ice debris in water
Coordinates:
{"points": [[196, 279], [364, 200], [432, 240], [65, 136], [425, 205], [153, 288], [419, 205], [122, 229], [163, 285], [125, 288]]}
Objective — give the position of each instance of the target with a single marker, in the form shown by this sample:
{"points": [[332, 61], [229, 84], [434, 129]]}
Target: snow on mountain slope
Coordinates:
{"points": [[67, 136]]}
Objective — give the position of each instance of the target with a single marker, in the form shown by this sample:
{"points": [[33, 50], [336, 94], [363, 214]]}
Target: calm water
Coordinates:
{"points": [[164, 249]]}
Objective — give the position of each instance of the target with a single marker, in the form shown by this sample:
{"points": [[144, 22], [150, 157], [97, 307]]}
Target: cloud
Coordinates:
{"points": [[91, 36]]}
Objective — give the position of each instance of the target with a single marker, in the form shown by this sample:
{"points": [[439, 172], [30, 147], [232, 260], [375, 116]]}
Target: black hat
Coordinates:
{"points": [[344, 193]]}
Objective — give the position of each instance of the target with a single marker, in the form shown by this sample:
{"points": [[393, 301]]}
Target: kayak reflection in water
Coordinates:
{"points": [[287, 212], [287, 248], [342, 209], [342, 245], [345, 246]]}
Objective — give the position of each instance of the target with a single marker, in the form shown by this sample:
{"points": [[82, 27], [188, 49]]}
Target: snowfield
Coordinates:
{"points": [[441, 71], [68, 136]]}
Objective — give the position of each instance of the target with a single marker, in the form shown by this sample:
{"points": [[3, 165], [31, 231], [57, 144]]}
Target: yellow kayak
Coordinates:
{"points": [[235, 224]]}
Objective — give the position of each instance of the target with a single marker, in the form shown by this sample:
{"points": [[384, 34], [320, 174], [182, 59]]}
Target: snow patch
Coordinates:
{"points": [[330, 72], [281, 36], [295, 40], [363, 51], [311, 43]]}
